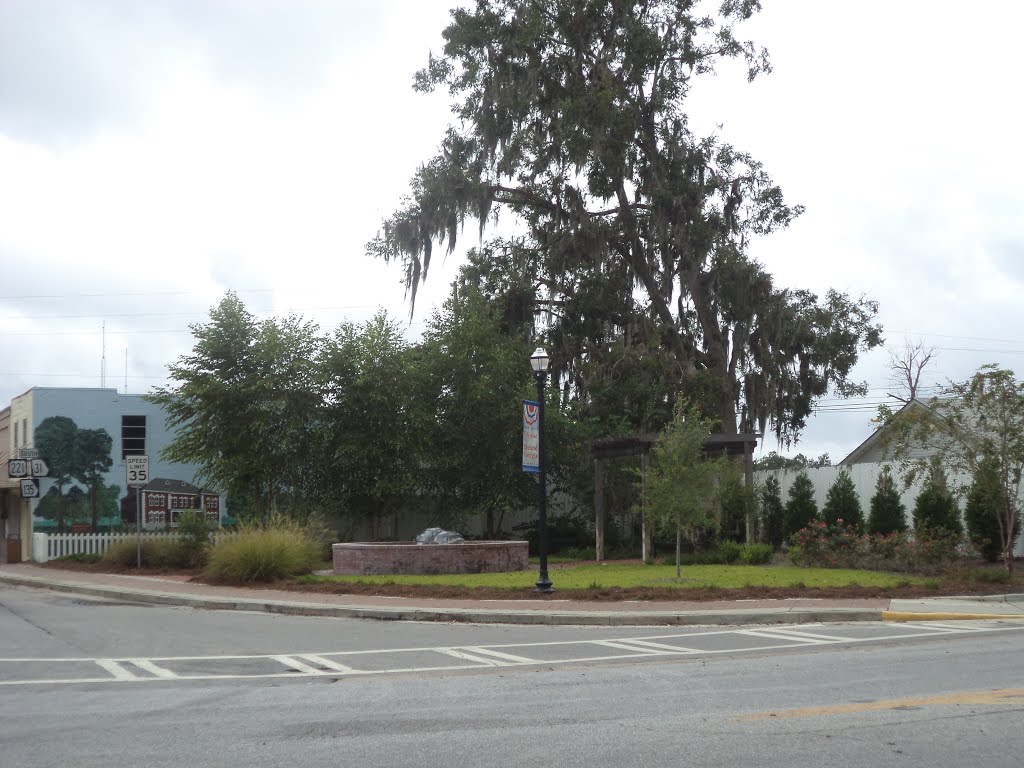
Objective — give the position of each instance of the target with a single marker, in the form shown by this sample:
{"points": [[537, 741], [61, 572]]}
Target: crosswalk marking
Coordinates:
{"points": [[501, 655], [119, 672], [322, 664], [490, 662], [297, 665], [659, 646], [321, 661], [628, 645], [153, 669], [811, 635], [938, 627], [773, 635]]}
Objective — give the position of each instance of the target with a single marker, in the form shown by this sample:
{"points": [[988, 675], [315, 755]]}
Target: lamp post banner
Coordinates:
{"points": [[531, 436]]}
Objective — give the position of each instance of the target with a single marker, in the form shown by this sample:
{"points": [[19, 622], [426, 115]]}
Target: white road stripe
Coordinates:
{"points": [[772, 636], [662, 646], [153, 669], [297, 665], [500, 655], [625, 645], [939, 628], [119, 672], [470, 657], [321, 661], [811, 635]]}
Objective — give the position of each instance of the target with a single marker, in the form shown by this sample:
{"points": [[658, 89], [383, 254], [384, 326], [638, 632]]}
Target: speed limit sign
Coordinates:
{"points": [[137, 468]]}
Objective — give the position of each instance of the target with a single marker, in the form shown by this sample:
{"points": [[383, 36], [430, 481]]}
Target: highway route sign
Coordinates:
{"points": [[17, 468], [38, 468], [30, 489]]}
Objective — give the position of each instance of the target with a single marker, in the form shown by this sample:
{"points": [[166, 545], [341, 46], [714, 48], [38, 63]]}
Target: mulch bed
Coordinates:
{"points": [[601, 594], [667, 594]]}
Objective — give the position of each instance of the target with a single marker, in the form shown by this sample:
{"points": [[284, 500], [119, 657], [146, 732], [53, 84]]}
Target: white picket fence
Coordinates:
{"points": [[50, 546]]}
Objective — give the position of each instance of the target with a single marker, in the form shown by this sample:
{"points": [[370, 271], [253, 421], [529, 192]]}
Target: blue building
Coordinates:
{"points": [[90, 432]]}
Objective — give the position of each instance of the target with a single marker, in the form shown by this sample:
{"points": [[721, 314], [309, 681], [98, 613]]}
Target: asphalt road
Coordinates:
{"points": [[93, 683]]}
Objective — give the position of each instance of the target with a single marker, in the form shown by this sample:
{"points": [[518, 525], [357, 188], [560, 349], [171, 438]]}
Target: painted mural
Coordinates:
{"points": [[79, 459]]}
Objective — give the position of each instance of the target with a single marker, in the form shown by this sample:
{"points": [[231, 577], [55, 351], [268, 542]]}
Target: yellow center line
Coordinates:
{"points": [[999, 696]]}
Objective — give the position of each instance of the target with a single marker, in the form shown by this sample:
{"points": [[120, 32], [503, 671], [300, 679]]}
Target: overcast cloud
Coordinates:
{"points": [[155, 154]]}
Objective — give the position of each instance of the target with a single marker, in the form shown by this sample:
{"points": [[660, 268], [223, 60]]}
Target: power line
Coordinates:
{"points": [[107, 315], [139, 293]]}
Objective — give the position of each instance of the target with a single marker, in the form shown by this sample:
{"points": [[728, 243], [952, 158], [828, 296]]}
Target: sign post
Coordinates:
{"points": [[137, 471]]}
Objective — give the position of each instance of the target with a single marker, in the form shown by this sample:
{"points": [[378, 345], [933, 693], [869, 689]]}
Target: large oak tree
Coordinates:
{"points": [[570, 117]]}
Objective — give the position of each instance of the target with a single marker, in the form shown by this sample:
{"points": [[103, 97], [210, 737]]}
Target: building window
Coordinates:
{"points": [[24, 432], [15, 433], [133, 436]]}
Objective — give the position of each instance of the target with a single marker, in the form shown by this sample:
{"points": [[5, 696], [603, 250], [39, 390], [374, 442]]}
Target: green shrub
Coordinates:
{"points": [[82, 557], [728, 552], [800, 507], [281, 550], [839, 546], [888, 515], [756, 554], [935, 508], [156, 553], [842, 505], [984, 510], [772, 512]]}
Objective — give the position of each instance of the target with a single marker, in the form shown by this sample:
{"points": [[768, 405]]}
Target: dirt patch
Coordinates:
{"points": [[668, 594], [73, 565]]}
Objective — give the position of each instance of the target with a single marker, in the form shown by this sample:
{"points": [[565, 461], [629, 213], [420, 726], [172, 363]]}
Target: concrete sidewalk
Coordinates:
{"points": [[169, 590]]}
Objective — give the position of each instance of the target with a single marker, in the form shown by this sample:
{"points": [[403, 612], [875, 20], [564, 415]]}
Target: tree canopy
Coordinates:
{"points": [[632, 231]]}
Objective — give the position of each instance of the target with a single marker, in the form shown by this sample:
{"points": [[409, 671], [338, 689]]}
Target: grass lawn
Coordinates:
{"points": [[611, 575]]}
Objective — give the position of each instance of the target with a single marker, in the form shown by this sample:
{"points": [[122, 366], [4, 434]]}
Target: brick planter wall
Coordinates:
{"points": [[408, 557]]}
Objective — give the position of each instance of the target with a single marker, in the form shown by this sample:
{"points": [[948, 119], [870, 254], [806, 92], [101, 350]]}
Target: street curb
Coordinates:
{"points": [[462, 615], [911, 616]]}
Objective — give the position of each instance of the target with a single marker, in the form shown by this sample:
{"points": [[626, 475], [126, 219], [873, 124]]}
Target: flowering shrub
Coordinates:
{"points": [[846, 546]]}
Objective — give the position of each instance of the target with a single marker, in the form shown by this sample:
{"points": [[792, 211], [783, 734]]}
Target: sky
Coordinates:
{"points": [[156, 154]]}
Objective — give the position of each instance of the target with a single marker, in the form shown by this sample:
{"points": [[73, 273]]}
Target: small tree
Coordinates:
{"points": [[982, 510], [681, 487], [801, 508], [935, 508], [842, 502], [888, 515], [772, 512]]}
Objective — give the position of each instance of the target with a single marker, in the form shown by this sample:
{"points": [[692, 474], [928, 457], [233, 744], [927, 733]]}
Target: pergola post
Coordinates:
{"points": [[599, 509]]}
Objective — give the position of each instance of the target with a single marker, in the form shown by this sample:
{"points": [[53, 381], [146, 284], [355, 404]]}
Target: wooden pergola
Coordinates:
{"points": [[602, 449]]}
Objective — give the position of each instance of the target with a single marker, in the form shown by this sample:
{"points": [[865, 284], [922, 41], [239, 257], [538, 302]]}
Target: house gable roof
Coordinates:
{"points": [[856, 456]]}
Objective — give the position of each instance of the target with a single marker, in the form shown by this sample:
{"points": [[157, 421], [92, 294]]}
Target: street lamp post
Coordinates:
{"points": [[539, 363]]}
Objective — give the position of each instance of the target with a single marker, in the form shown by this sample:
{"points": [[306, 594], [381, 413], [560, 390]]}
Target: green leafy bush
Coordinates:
{"points": [[984, 509], [800, 507], [935, 507], [888, 515], [756, 554], [728, 552], [841, 546], [156, 553], [772, 512], [284, 548], [82, 557], [842, 505]]}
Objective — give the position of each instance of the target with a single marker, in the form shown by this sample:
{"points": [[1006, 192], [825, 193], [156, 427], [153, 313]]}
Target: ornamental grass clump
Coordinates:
{"points": [[282, 549]]}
